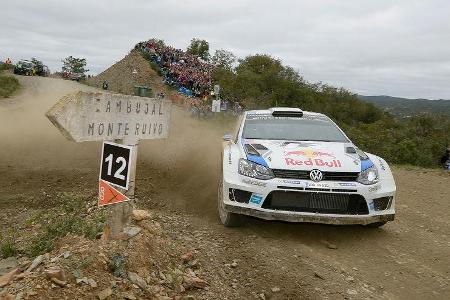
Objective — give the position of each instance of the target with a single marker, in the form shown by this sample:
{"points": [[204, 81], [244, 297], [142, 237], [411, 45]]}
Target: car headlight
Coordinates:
{"points": [[369, 176], [251, 169]]}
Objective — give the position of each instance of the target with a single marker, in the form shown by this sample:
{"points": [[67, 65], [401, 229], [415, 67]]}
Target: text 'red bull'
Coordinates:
{"points": [[335, 163]]}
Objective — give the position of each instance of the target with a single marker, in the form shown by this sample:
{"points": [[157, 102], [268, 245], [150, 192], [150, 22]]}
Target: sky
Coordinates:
{"points": [[377, 47]]}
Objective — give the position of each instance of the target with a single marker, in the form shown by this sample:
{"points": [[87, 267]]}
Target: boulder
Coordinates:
{"points": [[140, 214]]}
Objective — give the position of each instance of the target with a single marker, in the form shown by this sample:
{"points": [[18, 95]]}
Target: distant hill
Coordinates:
{"points": [[404, 107], [121, 79]]}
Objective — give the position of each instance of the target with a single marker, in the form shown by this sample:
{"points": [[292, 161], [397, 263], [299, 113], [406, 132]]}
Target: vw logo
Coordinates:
{"points": [[315, 175]]}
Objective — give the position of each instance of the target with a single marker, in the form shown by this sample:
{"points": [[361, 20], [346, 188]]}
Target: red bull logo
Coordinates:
{"points": [[317, 162], [310, 153]]}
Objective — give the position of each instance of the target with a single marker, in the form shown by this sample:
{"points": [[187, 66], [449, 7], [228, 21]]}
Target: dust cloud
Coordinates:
{"points": [[189, 158]]}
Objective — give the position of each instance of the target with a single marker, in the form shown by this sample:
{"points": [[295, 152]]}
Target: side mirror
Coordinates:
{"points": [[227, 137]]}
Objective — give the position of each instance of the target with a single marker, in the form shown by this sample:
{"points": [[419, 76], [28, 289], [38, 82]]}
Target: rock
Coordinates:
{"points": [[234, 264], [352, 292], [131, 231], [193, 264], [318, 275], [19, 296], [55, 272], [262, 296], [8, 264], [104, 294], [8, 277], [140, 214], [58, 282], [82, 280], [36, 262], [92, 283], [350, 279], [31, 293], [194, 282], [8, 297], [136, 279], [330, 245], [154, 289], [188, 257], [22, 275], [275, 289], [66, 254], [128, 296]]}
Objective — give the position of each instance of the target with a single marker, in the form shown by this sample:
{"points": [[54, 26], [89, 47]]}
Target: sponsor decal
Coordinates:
{"points": [[371, 205], [254, 182], [316, 162], [347, 184], [310, 153], [255, 199], [290, 181], [374, 188], [318, 185], [382, 165]]}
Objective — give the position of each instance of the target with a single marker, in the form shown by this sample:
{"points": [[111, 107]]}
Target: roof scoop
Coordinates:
{"points": [[286, 112]]}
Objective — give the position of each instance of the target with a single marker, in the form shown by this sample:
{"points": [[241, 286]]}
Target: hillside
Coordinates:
{"points": [[404, 107], [121, 79]]}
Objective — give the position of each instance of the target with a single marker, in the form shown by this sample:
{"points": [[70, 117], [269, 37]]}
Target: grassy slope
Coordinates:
{"points": [[8, 86]]}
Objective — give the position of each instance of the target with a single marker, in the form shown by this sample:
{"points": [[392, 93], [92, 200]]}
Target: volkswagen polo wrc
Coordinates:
{"points": [[297, 166]]}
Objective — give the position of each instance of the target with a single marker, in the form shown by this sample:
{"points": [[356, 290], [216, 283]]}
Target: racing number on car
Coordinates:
{"points": [[114, 167]]}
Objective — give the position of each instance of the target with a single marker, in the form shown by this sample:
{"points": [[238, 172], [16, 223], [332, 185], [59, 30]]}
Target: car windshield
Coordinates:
{"points": [[293, 129]]}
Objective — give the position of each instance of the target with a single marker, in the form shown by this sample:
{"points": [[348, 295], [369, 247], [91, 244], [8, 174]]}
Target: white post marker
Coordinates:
{"points": [[113, 117]]}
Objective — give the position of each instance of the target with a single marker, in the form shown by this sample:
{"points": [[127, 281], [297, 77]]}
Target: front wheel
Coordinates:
{"points": [[228, 219]]}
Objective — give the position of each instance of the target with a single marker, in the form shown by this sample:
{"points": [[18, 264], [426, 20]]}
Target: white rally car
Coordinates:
{"points": [[291, 165]]}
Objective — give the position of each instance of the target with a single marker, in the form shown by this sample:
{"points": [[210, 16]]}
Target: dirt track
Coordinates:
{"points": [[406, 259]]}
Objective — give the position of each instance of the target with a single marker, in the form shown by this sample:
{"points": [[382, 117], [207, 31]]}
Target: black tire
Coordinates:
{"points": [[376, 224], [228, 219]]}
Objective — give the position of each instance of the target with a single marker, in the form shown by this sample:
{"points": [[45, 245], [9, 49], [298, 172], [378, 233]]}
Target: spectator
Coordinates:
{"points": [[184, 71], [445, 159]]}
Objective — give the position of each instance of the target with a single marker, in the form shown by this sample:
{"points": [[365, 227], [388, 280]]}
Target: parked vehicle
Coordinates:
{"points": [[23, 67]]}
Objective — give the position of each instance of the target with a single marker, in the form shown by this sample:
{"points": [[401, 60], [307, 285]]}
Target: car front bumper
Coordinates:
{"points": [[289, 216], [261, 189]]}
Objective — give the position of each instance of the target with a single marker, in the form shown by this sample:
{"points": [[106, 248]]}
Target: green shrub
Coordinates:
{"points": [[68, 219], [8, 85], [7, 249]]}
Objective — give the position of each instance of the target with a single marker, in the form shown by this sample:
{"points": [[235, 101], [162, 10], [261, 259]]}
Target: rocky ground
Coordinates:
{"points": [[52, 248]]}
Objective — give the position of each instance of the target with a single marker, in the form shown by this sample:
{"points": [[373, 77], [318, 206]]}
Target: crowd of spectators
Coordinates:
{"points": [[188, 73]]}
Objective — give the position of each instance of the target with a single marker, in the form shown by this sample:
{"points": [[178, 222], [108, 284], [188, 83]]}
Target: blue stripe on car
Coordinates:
{"points": [[254, 158], [365, 164], [257, 159]]}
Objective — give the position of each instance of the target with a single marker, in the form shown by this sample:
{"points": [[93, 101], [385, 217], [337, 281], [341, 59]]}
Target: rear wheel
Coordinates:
{"points": [[228, 219], [376, 224]]}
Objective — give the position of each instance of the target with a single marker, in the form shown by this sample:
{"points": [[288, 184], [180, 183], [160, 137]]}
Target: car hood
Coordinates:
{"points": [[308, 155]]}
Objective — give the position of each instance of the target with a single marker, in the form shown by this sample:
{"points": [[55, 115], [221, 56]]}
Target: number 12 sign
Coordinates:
{"points": [[114, 167]]}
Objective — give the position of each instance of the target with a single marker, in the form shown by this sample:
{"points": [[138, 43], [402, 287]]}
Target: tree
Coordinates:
{"points": [[74, 65], [199, 48], [223, 58]]}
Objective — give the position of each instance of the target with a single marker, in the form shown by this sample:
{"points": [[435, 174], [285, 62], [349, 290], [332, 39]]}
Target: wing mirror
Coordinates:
{"points": [[227, 137]]}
